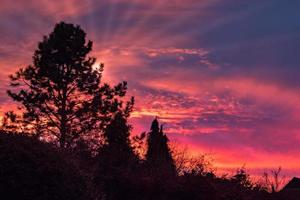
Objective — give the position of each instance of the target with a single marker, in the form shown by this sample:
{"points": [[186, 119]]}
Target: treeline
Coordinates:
{"points": [[70, 138], [32, 169]]}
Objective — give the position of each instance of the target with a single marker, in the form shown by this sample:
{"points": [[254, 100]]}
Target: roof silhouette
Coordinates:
{"points": [[293, 184]]}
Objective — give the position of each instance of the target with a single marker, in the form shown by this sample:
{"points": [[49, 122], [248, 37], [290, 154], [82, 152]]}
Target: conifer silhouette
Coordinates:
{"points": [[158, 156], [61, 92], [117, 148], [117, 161]]}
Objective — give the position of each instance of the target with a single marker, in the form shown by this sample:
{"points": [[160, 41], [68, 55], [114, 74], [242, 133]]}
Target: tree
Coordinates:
{"points": [[117, 148], [61, 92], [189, 164], [274, 182], [242, 179], [117, 162], [158, 156]]}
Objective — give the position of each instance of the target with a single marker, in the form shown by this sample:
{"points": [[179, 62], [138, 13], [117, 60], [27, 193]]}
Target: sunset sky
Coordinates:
{"points": [[223, 76]]}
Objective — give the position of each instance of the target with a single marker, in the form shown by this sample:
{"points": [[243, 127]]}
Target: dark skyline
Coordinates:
{"points": [[222, 76]]}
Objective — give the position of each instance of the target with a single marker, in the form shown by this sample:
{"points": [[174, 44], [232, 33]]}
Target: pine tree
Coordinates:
{"points": [[117, 155], [60, 93], [117, 150], [158, 156], [117, 163]]}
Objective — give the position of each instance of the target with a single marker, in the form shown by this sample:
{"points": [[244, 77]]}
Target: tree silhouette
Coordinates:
{"points": [[117, 161], [242, 179], [158, 156], [274, 181], [117, 143], [61, 92]]}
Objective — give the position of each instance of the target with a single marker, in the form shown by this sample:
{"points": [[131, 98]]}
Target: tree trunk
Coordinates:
{"points": [[63, 122]]}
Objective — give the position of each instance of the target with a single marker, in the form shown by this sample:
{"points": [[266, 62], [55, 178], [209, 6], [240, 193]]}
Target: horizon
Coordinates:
{"points": [[221, 77]]}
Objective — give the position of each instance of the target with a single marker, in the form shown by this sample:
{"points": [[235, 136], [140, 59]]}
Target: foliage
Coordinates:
{"points": [[117, 148], [62, 99], [60, 93], [116, 159], [30, 169], [158, 157], [242, 179], [186, 163], [274, 181], [139, 144]]}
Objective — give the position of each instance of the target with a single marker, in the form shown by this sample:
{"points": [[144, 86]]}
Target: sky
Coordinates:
{"points": [[222, 76]]}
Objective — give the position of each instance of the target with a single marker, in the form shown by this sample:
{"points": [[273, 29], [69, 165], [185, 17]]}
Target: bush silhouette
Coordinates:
{"points": [[30, 169]]}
